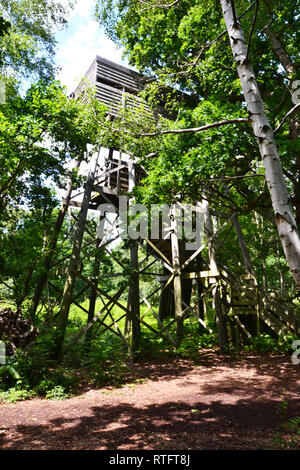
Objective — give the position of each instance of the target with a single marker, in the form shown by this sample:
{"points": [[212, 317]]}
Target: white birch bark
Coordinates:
{"points": [[263, 132]]}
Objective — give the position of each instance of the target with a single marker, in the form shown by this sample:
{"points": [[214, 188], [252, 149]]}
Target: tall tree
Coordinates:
{"points": [[264, 135], [29, 48], [39, 135]]}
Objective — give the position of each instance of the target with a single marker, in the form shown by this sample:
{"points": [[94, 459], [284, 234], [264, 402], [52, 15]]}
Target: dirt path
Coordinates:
{"points": [[218, 404]]}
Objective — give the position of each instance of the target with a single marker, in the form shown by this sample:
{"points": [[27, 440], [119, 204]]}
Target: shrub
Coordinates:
{"points": [[57, 393], [265, 344], [12, 395]]}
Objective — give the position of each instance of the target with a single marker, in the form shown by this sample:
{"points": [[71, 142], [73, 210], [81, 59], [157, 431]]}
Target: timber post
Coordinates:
{"points": [[253, 327], [93, 294], [177, 278], [133, 316], [220, 317], [134, 298]]}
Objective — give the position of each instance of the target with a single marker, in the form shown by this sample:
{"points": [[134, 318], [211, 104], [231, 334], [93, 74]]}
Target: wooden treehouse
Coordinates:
{"points": [[186, 279]]}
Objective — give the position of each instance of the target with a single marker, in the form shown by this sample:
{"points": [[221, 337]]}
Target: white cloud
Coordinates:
{"points": [[80, 43]]}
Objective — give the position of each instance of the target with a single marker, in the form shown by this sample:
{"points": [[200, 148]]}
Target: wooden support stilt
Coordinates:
{"points": [[93, 294], [94, 319], [73, 298], [191, 308], [242, 244], [201, 303], [158, 320], [134, 297], [177, 279], [134, 288], [237, 334], [166, 298], [220, 318]]}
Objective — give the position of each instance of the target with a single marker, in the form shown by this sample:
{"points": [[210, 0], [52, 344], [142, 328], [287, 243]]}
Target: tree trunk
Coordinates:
{"points": [[21, 299], [291, 70], [72, 270], [263, 132], [52, 246]]}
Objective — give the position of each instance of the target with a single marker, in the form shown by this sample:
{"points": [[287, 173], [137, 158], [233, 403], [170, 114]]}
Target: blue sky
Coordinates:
{"points": [[80, 42]]}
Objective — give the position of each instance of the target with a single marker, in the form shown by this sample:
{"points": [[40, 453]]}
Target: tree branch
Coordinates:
{"points": [[196, 129], [158, 5], [289, 114], [290, 176], [10, 180], [228, 178], [252, 28]]}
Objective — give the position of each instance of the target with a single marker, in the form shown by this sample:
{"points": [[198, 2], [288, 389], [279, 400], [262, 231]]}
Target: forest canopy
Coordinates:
{"points": [[186, 44]]}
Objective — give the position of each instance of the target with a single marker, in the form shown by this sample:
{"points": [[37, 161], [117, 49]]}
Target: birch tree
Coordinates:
{"points": [[264, 135]]}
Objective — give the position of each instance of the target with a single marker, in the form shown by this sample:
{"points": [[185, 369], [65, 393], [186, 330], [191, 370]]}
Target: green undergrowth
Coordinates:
{"points": [[106, 361], [288, 436], [266, 344]]}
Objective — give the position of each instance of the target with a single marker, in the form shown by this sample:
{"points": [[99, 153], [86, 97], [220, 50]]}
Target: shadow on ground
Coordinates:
{"points": [[218, 407]]}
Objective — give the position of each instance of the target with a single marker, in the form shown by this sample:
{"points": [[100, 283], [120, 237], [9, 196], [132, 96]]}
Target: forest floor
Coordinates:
{"points": [[219, 403]]}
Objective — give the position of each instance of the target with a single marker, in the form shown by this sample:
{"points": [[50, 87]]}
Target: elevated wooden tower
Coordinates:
{"points": [[184, 277]]}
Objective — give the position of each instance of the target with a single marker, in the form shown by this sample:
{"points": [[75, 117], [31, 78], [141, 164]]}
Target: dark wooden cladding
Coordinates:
{"points": [[115, 85], [117, 75], [110, 96], [114, 99], [118, 86]]}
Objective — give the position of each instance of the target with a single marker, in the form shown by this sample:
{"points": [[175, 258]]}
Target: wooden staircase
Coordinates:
{"points": [[245, 297]]}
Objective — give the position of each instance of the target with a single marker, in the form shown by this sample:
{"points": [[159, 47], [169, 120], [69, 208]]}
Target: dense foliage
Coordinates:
{"points": [[186, 45], [29, 47]]}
